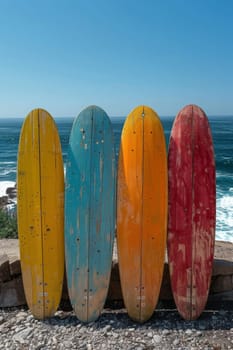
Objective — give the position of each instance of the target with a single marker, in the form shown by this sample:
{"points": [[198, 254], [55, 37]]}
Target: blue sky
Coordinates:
{"points": [[66, 55]]}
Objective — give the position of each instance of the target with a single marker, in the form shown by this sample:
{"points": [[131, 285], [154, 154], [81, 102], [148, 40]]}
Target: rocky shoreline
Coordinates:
{"points": [[8, 199]]}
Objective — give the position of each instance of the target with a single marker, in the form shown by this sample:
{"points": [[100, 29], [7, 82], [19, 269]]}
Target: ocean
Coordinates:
{"points": [[222, 131]]}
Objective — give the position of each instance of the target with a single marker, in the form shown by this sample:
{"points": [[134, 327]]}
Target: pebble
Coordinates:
{"points": [[202, 326], [166, 332], [131, 329], [114, 330], [176, 342], [222, 312], [107, 328], [157, 339]]}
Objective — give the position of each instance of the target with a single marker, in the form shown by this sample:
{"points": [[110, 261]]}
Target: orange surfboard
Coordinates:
{"points": [[141, 211]]}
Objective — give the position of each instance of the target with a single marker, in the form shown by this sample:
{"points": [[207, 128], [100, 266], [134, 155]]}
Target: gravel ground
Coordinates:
{"points": [[114, 330]]}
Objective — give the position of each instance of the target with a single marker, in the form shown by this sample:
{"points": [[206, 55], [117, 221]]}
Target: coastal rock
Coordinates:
{"points": [[11, 192], [3, 201], [8, 200]]}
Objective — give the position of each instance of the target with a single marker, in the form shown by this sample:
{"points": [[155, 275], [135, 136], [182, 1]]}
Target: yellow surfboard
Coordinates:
{"points": [[40, 208], [141, 211]]}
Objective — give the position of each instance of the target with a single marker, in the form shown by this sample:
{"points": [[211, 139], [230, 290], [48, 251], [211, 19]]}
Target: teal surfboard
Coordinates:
{"points": [[90, 202]]}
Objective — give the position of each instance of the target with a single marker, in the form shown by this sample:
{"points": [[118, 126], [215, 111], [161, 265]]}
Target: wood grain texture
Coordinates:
{"points": [[192, 206], [40, 183], [90, 212], [141, 211]]}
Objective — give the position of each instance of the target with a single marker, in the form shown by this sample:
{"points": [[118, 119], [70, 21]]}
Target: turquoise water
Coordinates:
{"points": [[222, 131]]}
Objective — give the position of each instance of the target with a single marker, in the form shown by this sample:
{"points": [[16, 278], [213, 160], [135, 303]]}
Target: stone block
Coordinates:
{"points": [[15, 266], [220, 284], [4, 268], [224, 296], [12, 293], [222, 267]]}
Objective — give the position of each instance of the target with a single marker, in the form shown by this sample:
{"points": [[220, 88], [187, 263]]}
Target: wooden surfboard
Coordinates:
{"points": [[141, 211], [192, 206], [90, 207], [40, 206]]}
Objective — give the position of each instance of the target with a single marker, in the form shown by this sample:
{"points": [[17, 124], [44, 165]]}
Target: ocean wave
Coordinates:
{"points": [[4, 185], [8, 163], [223, 235], [225, 202], [224, 216], [221, 174], [5, 172]]}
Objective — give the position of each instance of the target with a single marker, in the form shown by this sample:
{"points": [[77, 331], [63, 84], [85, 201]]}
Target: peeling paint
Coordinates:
{"points": [[40, 207], [192, 173], [93, 201], [141, 218]]}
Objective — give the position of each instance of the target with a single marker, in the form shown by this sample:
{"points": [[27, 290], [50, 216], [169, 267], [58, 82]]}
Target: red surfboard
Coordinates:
{"points": [[192, 210]]}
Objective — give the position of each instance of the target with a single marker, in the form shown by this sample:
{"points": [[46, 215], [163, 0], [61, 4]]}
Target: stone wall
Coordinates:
{"points": [[12, 294]]}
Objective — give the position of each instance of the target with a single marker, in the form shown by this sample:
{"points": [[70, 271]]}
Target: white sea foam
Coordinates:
{"points": [[4, 185], [224, 216], [226, 202]]}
